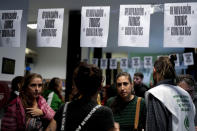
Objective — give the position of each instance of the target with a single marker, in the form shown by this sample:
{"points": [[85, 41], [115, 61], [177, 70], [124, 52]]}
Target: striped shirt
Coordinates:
{"points": [[126, 116]]}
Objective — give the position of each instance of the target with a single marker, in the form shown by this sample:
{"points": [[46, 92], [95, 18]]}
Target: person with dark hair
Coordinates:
{"points": [[188, 84], [139, 87], [169, 107], [84, 113], [107, 92], [16, 85], [29, 111], [53, 93], [128, 110]]}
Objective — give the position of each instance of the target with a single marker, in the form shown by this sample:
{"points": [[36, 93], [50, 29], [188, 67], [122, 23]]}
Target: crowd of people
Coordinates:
{"points": [[170, 105]]}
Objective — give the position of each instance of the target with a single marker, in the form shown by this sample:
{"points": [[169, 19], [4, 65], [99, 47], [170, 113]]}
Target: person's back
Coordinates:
{"points": [[84, 113], [169, 108], [77, 110]]}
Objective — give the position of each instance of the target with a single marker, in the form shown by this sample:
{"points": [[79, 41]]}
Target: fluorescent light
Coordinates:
{"points": [[32, 26]]}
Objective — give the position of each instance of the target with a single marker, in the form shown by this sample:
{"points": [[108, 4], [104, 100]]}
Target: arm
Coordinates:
{"points": [[48, 112], [116, 127], [52, 126], [158, 117]]}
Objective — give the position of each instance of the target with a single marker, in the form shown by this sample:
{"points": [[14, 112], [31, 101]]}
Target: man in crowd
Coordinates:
{"points": [[139, 87]]}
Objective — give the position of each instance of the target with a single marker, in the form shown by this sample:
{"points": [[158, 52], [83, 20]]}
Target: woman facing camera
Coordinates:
{"points": [[29, 111]]}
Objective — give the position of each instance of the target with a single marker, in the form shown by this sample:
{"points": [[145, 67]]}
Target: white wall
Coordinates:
{"points": [[50, 62], [15, 53]]}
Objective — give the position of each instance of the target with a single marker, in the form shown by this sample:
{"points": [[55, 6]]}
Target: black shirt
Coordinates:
{"points": [[101, 119]]}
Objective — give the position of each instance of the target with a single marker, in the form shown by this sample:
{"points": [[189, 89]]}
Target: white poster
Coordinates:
{"points": [[180, 25], [94, 26], [50, 27], [188, 59], [103, 64], [136, 62], [177, 62], [148, 61], [95, 61], [113, 63], [134, 25], [123, 63], [10, 28]]}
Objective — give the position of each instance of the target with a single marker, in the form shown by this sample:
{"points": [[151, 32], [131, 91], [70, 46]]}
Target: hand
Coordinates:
{"points": [[34, 112], [52, 126], [116, 126]]}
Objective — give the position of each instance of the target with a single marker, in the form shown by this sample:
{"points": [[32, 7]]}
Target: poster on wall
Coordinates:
{"points": [[103, 64], [136, 62], [177, 62], [10, 28], [113, 63], [94, 26], [134, 25], [188, 59], [180, 27], [148, 61], [95, 61], [123, 63], [50, 27]]}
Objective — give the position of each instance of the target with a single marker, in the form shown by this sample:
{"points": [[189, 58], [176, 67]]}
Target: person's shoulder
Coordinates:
{"points": [[111, 99]]}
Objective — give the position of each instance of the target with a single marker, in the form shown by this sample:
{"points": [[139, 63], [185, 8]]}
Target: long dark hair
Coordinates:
{"points": [[16, 82], [53, 85]]}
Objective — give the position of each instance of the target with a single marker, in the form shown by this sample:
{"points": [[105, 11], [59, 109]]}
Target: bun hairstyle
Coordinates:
{"points": [[87, 78], [164, 67], [172, 59]]}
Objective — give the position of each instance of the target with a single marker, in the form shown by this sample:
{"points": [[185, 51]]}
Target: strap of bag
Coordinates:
{"points": [[137, 113], [64, 116], [87, 117]]}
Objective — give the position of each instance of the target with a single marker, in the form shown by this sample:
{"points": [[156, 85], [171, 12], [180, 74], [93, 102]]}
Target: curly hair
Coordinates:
{"points": [[87, 78]]}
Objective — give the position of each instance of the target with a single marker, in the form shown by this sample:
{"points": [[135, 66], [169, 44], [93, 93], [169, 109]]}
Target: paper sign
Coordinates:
{"points": [[103, 64], [94, 26], [113, 63], [50, 27], [134, 25], [135, 62], [123, 63], [10, 28], [148, 62], [180, 28], [188, 59], [95, 61]]}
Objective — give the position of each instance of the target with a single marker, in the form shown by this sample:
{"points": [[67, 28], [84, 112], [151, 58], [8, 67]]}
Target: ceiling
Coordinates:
{"points": [[156, 24]]}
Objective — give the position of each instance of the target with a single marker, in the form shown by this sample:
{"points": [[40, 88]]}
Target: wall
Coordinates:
{"points": [[15, 53], [50, 62]]}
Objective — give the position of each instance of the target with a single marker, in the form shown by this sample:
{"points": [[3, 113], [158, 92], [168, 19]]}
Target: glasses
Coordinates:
{"points": [[34, 85], [123, 83]]}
